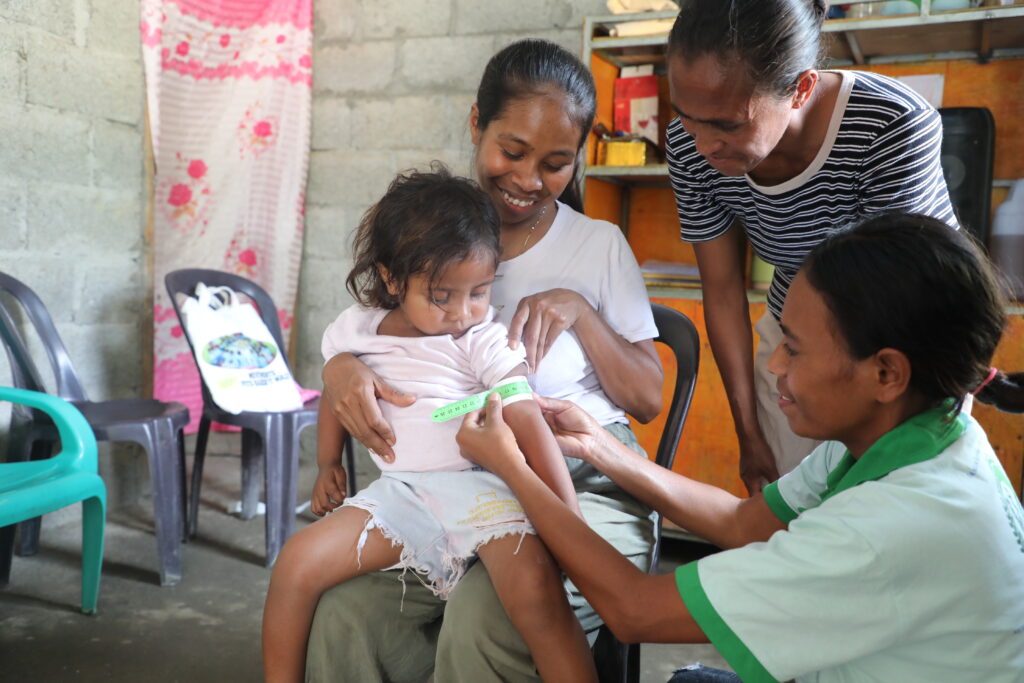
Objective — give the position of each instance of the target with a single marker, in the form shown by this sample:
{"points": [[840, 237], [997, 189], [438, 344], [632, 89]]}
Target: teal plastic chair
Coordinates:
{"points": [[30, 489]]}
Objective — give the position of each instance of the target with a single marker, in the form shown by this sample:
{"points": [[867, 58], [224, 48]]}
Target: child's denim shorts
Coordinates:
{"points": [[440, 519]]}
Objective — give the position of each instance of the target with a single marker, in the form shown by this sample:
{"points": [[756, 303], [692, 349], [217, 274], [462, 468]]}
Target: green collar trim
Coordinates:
{"points": [[735, 651], [920, 438]]}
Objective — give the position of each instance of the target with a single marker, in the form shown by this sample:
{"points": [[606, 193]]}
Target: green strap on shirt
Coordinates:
{"points": [[477, 401]]}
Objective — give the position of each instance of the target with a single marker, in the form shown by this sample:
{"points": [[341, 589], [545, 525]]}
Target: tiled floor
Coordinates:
{"points": [[204, 629]]}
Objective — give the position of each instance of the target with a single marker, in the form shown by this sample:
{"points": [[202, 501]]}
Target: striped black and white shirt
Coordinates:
{"points": [[881, 153]]}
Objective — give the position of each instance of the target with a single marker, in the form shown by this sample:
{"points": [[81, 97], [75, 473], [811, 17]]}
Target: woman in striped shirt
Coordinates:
{"points": [[769, 148]]}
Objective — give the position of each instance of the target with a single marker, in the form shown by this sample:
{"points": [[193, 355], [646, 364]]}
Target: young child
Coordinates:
{"points": [[425, 260]]}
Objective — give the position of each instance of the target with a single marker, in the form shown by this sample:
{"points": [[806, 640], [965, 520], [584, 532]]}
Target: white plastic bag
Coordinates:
{"points": [[236, 354]]}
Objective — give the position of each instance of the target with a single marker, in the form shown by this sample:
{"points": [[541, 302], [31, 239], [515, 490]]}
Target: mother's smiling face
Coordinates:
{"points": [[526, 157]]}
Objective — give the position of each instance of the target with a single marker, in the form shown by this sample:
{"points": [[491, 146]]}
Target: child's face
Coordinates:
{"points": [[453, 304], [824, 392]]}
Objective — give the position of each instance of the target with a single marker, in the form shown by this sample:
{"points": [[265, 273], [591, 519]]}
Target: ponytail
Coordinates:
{"points": [[1004, 391]]}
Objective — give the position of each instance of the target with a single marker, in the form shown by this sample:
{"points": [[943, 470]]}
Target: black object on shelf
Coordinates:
{"points": [[968, 150]]}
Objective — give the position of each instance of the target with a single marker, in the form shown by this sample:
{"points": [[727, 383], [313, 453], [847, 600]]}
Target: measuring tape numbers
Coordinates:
{"points": [[515, 388]]}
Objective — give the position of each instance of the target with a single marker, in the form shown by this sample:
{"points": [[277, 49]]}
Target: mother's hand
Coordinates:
{"points": [[541, 317], [485, 439], [351, 390]]}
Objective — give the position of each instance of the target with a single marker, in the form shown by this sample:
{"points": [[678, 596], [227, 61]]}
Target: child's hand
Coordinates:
{"points": [[329, 490], [485, 439]]}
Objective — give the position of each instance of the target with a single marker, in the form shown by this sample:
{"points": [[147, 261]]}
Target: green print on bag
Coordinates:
{"points": [[239, 352]]}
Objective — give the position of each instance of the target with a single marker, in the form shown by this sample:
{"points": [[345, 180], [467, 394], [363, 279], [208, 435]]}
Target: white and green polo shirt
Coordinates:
{"points": [[904, 565]]}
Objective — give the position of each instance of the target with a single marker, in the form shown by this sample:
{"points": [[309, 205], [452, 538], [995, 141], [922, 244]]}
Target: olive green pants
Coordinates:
{"points": [[378, 628]]}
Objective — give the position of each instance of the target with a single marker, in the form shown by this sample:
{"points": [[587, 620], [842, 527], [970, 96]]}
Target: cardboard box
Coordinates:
{"points": [[635, 102], [633, 151]]}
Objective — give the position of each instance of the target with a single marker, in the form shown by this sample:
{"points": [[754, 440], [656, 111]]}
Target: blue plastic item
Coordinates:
{"points": [[30, 489]]}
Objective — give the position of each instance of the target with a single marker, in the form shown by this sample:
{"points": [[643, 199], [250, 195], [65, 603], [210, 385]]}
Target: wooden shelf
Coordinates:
{"points": [[982, 33]]}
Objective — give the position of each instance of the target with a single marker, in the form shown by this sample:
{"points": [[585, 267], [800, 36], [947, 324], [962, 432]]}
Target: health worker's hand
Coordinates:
{"points": [[485, 439], [351, 390], [540, 318], [328, 490], [577, 433]]}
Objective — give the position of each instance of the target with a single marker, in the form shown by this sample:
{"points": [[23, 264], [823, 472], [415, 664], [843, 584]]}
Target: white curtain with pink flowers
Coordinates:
{"points": [[228, 89]]}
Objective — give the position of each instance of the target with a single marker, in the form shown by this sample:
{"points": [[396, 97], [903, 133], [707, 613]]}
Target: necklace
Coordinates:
{"points": [[532, 229]]}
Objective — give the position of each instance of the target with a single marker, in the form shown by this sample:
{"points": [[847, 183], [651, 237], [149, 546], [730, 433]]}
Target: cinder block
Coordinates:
{"points": [[111, 291], [328, 234], [322, 290], [55, 145], [358, 68], [450, 63], [401, 122], [12, 63], [12, 214], [54, 16], [405, 18], [347, 179], [103, 85], [335, 20], [570, 39], [117, 151], [332, 123], [114, 27], [107, 356], [475, 17], [51, 277], [458, 161], [83, 222]]}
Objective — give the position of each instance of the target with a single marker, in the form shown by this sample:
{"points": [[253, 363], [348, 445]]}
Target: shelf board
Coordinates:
{"points": [[653, 174], [980, 33]]}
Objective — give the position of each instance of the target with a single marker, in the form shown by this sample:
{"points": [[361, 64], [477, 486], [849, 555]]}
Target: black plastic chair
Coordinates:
{"points": [[271, 437], [616, 661], [155, 425]]}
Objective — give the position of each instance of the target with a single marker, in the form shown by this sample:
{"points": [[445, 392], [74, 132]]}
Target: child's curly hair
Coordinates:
{"points": [[423, 223]]}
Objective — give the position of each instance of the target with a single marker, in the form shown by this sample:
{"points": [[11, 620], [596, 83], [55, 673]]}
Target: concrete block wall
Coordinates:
{"points": [[393, 82], [71, 189]]}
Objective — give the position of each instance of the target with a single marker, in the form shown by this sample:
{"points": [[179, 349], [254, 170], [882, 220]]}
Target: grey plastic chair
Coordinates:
{"points": [[616, 661], [155, 425], [271, 437]]}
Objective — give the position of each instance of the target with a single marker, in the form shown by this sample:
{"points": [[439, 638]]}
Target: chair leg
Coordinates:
{"points": [[197, 476], [253, 447], [93, 522], [167, 510], [183, 489], [28, 536], [6, 552], [281, 475]]}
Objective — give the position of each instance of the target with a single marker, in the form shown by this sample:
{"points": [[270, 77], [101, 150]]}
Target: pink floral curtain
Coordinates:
{"points": [[228, 89]]}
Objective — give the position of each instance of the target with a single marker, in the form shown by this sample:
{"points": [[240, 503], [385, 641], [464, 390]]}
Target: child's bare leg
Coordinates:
{"points": [[529, 585], [322, 555]]}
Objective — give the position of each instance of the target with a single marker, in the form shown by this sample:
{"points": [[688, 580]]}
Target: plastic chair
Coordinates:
{"points": [[271, 437], [618, 662], [30, 489], [155, 425]]}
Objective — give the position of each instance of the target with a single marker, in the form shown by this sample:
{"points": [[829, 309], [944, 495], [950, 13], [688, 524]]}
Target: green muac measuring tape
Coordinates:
{"points": [[477, 401]]}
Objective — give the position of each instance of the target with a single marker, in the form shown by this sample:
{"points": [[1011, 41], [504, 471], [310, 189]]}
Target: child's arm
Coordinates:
{"points": [[331, 481], [539, 446]]}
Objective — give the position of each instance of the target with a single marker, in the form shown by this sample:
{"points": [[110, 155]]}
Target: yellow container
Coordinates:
{"points": [[622, 152]]}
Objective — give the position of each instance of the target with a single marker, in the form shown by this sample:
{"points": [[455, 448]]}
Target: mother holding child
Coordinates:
{"points": [[559, 272]]}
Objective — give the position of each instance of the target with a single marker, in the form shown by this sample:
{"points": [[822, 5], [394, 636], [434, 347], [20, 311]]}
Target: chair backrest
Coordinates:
{"points": [[677, 332], [77, 443], [184, 282], [24, 371]]}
